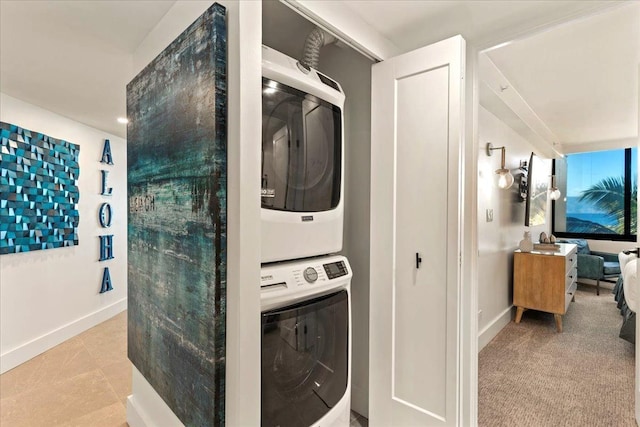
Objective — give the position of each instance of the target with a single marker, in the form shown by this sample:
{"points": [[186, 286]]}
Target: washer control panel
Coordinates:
{"points": [[335, 269], [286, 282], [310, 274]]}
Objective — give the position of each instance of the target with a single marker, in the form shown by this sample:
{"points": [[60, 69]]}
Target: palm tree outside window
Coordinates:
{"points": [[599, 195]]}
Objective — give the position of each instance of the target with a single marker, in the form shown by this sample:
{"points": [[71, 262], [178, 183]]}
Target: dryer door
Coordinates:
{"points": [[305, 360], [301, 150]]}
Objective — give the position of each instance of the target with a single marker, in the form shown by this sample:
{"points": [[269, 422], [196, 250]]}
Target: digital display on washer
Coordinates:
{"points": [[335, 269]]}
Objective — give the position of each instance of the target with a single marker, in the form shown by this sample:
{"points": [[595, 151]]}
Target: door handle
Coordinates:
{"points": [[418, 260]]}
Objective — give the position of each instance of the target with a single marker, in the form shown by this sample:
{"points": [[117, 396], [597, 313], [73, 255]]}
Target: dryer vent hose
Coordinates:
{"points": [[312, 45]]}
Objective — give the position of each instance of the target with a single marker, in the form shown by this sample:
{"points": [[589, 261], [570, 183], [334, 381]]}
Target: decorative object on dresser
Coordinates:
{"points": [[545, 281], [546, 247], [595, 265], [526, 245], [543, 238]]}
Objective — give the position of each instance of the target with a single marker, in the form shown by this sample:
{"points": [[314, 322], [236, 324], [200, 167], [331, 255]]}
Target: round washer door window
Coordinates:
{"points": [[304, 360]]}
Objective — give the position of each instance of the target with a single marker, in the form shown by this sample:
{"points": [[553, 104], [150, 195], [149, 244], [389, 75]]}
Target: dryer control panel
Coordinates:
{"points": [[284, 282]]}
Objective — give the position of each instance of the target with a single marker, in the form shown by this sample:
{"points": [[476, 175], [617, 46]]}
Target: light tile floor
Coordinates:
{"points": [[82, 382]]}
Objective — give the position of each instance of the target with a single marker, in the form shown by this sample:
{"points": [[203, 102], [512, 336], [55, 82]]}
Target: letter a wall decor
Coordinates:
{"points": [[177, 211], [38, 191]]}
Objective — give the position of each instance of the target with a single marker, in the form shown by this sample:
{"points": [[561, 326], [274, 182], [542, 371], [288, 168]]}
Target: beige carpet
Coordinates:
{"points": [[529, 375]]}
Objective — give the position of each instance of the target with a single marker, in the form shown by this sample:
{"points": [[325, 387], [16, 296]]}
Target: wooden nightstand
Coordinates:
{"points": [[545, 281]]}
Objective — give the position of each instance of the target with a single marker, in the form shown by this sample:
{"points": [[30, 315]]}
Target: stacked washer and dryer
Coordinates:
{"points": [[305, 300]]}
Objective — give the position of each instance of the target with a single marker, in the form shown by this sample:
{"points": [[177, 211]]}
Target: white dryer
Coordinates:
{"points": [[306, 343], [302, 160]]}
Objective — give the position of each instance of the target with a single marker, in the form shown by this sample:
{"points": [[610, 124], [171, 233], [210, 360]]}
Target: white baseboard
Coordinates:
{"points": [[491, 330], [145, 407], [25, 352], [134, 418]]}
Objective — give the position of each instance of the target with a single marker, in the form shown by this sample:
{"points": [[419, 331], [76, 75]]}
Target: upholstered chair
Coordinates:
{"points": [[595, 265]]}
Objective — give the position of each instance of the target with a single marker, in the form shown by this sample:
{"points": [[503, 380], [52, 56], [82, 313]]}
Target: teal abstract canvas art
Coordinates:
{"points": [[177, 216]]}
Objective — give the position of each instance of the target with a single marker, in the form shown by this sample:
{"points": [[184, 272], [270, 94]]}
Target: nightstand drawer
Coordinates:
{"points": [[569, 295], [571, 261], [572, 277]]}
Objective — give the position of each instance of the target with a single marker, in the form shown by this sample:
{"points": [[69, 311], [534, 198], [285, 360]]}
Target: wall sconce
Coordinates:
{"points": [[554, 193], [505, 179]]}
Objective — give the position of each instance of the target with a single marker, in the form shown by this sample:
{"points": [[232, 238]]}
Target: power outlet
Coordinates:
{"points": [[489, 215]]}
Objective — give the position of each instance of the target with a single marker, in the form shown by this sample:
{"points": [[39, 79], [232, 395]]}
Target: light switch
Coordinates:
{"points": [[489, 215]]}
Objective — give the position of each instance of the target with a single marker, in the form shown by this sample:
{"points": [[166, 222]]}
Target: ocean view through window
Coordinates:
{"points": [[599, 191]]}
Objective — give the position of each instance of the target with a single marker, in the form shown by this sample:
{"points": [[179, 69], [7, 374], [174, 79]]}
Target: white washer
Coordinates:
{"points": [[306, 343]]}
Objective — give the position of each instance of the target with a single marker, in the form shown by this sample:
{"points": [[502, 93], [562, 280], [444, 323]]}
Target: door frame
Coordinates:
{"points": [[637, 364]]}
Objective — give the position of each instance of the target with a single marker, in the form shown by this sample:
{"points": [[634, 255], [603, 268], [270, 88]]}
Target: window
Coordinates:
{"points": [[599, 195]]}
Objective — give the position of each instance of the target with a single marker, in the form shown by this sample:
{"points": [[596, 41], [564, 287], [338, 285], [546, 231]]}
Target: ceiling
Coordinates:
{"points": [[76, 57], [581, 79], [410, 24]]}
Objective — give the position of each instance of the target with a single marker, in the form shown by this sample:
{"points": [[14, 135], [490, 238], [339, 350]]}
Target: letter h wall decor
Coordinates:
{"points": [[38, 191], [177, 179]]}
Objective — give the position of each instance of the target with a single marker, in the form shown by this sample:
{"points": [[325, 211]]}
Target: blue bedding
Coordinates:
{"points": [[628, 329]]}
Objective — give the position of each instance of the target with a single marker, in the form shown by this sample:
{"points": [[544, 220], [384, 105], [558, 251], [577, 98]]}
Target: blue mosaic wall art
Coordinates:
{"points": [[177, 216], [38, 191]]}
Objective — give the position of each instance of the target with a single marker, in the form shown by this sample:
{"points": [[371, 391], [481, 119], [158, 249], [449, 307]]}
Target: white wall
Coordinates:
{"points": [[611, 246], [244, 93], [48, 296], [353, 71], [498, 239]]}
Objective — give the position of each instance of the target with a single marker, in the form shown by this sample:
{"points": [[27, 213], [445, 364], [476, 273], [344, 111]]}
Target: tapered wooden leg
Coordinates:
{"points": [[598, 287], [558, 318], [519, 312], [573, 298]]}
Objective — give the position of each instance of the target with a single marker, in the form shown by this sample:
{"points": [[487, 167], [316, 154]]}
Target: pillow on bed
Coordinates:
{"points": [[630, 283], [623, 259]]}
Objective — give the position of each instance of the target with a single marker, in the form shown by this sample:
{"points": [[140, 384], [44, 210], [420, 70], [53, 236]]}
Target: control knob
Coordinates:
{"points": [[310, 274]]}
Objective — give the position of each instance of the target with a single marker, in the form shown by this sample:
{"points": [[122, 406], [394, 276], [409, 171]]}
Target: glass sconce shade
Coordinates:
{"points": [[505, 179], [554, 193]]}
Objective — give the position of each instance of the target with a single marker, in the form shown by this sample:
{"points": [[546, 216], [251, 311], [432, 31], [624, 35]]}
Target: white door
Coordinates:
{"points": [[416, 189]]}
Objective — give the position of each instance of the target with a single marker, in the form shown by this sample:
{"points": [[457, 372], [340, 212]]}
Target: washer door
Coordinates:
{"points": [[305, 360]]}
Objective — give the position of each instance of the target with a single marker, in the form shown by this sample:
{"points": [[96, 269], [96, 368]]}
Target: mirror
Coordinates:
{"points": [[538, 185]]}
